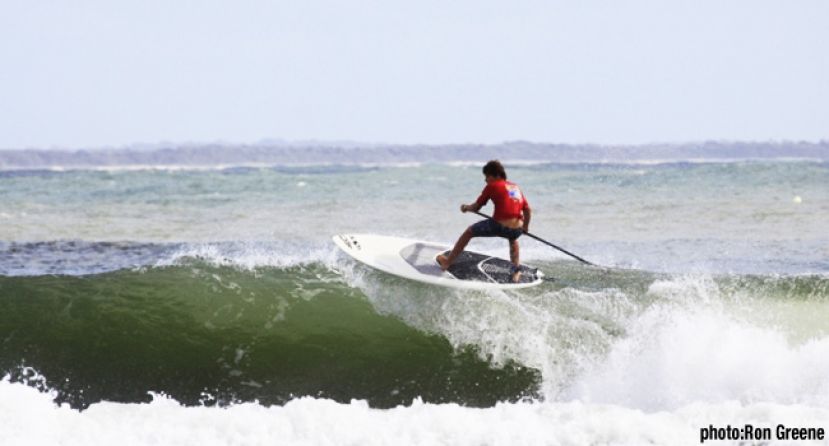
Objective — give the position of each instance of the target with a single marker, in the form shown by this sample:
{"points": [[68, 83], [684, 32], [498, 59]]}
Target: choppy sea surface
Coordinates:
{"points": [[209, 305]]}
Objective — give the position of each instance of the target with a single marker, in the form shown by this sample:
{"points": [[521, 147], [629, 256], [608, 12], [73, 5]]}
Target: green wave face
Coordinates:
{"points": [[208, 334], [215, 335]]}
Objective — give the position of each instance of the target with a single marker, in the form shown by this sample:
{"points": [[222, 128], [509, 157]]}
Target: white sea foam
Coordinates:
{"points": [[251, 255], [212, 167], [31, 418], [676, 353], [684, 341]]}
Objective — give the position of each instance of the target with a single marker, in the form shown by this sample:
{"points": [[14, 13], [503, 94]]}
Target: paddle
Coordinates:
{"points": [[547, 243]]}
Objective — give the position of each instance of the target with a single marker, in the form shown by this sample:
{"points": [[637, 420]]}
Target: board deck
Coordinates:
{"points": [[416, 260]]}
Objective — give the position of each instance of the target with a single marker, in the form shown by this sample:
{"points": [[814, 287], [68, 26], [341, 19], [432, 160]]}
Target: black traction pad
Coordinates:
{"points": [[483, 268]]}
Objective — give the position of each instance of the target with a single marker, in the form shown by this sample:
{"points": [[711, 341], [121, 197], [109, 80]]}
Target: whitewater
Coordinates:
{"points": [[191, 305]]}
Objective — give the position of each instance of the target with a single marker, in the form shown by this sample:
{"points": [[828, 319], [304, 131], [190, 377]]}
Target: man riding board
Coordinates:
{"points": [[510, 219]]}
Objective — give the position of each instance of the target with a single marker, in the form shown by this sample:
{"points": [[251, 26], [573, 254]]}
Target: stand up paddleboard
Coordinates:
{"points": [[416, 260]]}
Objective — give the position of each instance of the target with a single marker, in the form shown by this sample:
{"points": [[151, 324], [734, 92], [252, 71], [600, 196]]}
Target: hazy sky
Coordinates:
{"points": [[96, 73]]}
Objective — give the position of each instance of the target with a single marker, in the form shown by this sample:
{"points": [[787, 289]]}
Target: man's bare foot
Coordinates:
{"points": [[516, 276], [443, 261]]}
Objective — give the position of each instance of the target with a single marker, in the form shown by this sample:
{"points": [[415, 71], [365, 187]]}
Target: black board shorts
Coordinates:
{"points": [[491, 228]]}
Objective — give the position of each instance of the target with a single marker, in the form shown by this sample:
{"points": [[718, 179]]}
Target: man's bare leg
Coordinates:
{"points": [[516, 260], [463, 240]]}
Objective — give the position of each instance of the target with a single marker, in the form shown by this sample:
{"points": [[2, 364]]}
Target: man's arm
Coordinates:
{"points": [[474, 207], [479, 203], [528, 213]]}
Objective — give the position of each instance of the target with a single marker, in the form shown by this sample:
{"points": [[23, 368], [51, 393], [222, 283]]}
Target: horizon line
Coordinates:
{"points": [[335, 143]]}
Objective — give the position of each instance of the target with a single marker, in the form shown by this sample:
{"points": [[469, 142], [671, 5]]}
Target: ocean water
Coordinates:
{"points": [[183, 305]]}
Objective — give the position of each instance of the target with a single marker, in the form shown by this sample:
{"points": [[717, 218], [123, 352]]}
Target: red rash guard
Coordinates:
{"points": [[507, 197]]}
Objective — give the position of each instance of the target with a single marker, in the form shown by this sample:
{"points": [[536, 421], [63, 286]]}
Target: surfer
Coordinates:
{"points": [[510, 219]]}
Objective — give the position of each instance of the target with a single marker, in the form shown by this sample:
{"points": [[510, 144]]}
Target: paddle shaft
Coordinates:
{"points": [[546, 243]]}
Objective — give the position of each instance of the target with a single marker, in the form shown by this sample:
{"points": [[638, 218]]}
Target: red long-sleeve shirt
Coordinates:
{"points": [[507, 197]]}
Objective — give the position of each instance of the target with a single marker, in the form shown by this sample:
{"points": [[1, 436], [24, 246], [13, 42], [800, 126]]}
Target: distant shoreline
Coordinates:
{"points": [[221, 156]]}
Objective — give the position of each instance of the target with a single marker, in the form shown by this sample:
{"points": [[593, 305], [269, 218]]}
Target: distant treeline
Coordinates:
{"points": [[304, 153]]}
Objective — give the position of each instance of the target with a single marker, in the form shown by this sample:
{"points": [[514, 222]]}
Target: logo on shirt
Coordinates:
{"points": [[514, 192]]}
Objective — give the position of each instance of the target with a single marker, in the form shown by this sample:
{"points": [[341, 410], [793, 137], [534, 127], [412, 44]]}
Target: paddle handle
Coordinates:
{"points": [[546, 243]]}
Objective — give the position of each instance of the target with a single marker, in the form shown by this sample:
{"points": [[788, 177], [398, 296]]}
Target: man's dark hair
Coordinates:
{"points": [[495, 169]]}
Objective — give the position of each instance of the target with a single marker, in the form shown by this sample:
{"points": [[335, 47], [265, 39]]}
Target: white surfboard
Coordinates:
{"points": [[415, 260]]}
